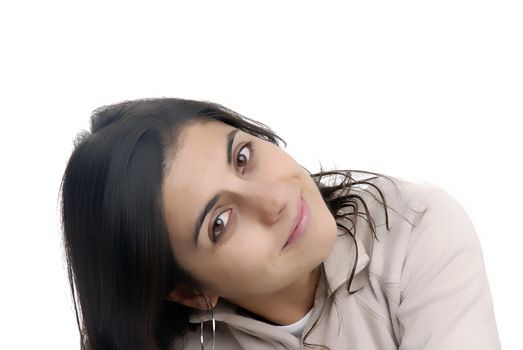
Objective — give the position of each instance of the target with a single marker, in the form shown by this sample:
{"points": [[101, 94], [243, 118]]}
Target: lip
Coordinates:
{"points": [[300, 223]]}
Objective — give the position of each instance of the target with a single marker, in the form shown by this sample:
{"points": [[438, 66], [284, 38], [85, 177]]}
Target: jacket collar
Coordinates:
{"points": [[339, 264]]}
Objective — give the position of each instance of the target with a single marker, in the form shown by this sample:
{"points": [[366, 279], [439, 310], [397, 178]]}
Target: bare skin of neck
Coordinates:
{"points": [[286, 306]]}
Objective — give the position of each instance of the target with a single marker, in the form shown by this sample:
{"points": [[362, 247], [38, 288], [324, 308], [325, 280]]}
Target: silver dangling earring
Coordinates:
{"points": [[213, 331]]}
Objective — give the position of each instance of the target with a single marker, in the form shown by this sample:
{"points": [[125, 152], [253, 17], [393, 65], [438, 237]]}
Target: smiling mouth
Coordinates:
{"points": [[300, 223]]}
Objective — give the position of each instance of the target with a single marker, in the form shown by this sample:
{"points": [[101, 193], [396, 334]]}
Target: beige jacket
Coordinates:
{"points": [[424, 285]]}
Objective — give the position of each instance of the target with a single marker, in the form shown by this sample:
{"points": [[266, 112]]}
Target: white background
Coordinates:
{"points": [[428, 91]]}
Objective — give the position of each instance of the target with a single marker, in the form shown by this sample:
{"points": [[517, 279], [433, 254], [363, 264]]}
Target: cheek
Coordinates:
{"points": [[322, 228], [247, 265], [248, 255]]}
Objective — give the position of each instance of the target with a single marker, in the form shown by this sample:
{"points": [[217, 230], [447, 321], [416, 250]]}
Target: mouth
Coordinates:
{"points": [[300, 223]]}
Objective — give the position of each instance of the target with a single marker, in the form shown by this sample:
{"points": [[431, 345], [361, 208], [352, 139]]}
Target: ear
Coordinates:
{"points": [[197, 301]]}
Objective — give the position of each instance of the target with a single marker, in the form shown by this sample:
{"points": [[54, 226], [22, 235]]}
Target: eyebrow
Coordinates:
{"points": [[215, 198]]}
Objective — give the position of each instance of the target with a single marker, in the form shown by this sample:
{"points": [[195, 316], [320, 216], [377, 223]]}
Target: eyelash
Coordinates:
{"points": [[250, 147]]}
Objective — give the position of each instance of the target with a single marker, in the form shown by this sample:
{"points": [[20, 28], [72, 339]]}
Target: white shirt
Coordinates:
{"points": [[296, 328]]}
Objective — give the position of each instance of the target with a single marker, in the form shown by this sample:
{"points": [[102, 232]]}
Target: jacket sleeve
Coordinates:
{"points": [[445, 300]]}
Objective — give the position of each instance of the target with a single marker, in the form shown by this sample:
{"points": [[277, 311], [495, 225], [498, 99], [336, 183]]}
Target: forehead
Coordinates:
{"points": [[194, 175]]}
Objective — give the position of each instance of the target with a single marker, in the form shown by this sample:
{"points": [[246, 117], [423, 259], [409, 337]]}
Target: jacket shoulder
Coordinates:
{"points": [[393, 200]]}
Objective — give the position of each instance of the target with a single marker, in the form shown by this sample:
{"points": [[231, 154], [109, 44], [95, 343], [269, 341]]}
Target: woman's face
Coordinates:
{"points": [[241, 211]]}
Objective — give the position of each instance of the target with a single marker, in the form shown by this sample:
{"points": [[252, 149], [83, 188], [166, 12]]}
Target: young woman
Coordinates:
{"points": [[186, 226]]}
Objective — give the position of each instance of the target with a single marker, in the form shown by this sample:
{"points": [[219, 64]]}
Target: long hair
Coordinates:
{"points": [[119, 262]]}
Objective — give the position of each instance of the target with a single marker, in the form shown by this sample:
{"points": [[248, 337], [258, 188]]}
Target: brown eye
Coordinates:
{"points": [[244, 156], [220, 225]]}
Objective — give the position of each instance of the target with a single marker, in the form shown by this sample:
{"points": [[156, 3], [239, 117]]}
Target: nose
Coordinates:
{"points": [[266, 200]]}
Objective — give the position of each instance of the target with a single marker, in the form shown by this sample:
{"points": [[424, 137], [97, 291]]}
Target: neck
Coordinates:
{"points": [[286, 306]]}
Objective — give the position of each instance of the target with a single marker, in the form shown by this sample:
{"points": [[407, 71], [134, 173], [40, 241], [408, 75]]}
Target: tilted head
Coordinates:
{"points": [[170, 204]]}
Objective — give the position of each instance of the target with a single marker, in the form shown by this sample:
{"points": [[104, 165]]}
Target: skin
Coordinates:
{"points": [[258, 208]]}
